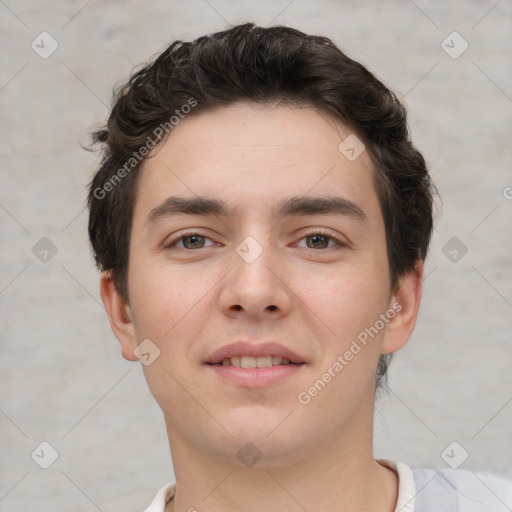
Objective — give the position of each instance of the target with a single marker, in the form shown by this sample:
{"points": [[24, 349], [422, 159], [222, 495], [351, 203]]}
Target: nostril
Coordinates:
{"points": [[272, 308]]}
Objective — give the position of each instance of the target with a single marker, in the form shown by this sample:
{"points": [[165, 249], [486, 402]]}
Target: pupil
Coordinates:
{"points": [[194, 240], [316, 238]]}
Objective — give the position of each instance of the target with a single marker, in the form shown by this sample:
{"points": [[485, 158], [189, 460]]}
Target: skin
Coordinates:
{"points": [[311, 298]]}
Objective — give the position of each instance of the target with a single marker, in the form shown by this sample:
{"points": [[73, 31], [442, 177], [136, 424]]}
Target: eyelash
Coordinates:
{"points": [[320, 232]]}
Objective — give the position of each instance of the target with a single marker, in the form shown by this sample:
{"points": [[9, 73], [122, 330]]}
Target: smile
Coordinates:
{"points": [[255, 372], [254, 362]]}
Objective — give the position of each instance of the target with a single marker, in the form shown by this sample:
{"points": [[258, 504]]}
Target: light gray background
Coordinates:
{"points": [[63, 378]]}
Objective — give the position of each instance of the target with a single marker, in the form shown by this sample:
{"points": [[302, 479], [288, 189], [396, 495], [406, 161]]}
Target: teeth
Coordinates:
{"points": [[248, 362], [254, 362], [264, 362]]}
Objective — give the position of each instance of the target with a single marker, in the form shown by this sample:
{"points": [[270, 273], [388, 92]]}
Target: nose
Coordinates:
{"points": [[256, 287]]}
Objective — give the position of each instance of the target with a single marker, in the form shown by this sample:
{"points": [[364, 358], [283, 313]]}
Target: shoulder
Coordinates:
{"points": [[450, 490], [461, 490]]}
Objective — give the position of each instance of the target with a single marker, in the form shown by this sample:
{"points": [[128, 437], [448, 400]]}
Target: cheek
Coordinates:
{"points": [[170, 309], [164, 300], [345, 302]]}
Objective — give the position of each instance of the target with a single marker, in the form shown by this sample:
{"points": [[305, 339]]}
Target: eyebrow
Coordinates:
{"points": [[292, 206]]}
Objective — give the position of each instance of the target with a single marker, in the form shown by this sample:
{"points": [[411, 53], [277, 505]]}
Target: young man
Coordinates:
{"points": [[261, 219]]}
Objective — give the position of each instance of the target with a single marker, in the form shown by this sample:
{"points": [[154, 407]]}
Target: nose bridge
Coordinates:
{"points": [[253, 263], [254, 284]]}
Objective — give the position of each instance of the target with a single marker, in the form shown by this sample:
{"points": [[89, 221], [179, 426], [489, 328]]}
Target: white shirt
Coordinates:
{"points": [[424, 490]]}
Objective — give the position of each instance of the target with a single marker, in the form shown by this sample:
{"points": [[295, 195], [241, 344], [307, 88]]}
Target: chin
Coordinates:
{"points": [[257, 421], [260, 430]]}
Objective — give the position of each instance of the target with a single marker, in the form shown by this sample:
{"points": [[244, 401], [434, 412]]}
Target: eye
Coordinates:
{"points": [[315, 240], [190, 241], [321, 240]]}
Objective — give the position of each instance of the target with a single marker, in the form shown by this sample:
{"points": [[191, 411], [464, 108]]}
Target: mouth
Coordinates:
{"points": [[243, 354], [255, 362], [251, 365]]}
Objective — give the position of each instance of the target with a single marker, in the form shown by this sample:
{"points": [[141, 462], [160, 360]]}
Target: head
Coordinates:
{"points": [[245, 119]]}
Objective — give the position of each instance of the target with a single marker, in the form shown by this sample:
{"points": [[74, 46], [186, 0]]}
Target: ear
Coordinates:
{"points": [[405, 303], [120, 316]]}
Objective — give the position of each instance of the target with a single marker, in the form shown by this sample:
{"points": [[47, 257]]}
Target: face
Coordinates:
{"points": [[252, 227]]}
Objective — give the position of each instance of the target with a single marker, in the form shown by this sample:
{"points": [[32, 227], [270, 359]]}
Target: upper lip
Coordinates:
{"points": [[243, 348]]}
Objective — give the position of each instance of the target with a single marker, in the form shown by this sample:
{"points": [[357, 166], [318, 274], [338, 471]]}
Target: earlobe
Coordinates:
{"points": [[120, 316], [405, 304]]}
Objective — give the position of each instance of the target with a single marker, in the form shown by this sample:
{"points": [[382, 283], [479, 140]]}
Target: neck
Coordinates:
{"points": [[338, 474]]}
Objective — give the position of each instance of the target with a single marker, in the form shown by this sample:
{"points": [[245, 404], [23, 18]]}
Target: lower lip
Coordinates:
{"points": [[256, 377]]}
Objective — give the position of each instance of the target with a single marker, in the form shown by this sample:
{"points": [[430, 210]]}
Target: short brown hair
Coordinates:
{"points": [[276, 65]]}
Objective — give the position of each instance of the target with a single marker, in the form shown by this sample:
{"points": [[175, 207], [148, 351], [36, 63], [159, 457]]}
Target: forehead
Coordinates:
{"points": [[251, 156]]}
